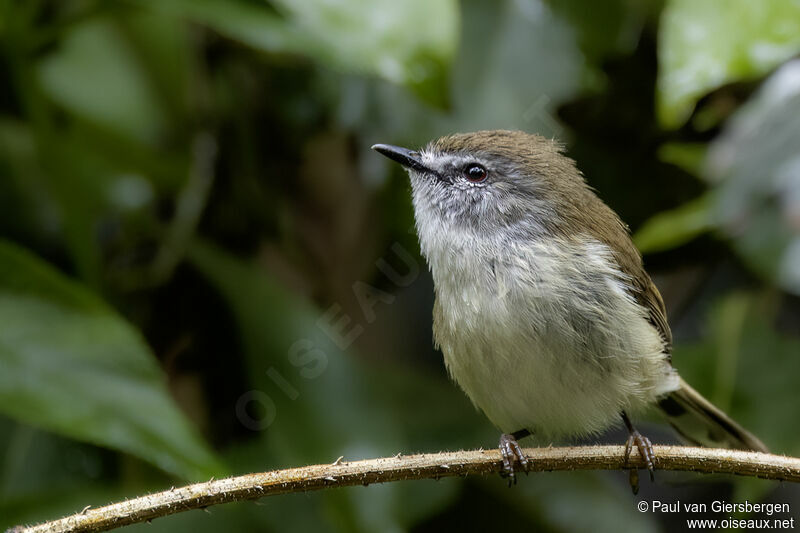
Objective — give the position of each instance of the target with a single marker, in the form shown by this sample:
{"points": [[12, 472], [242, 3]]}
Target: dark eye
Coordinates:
{"points": [[475, 173]]}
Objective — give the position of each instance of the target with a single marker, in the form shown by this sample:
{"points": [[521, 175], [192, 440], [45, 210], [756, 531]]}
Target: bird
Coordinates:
{"points": [[544, 312]]}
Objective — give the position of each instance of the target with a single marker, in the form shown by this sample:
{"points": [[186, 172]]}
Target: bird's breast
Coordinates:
{"points": [[545, 337]]}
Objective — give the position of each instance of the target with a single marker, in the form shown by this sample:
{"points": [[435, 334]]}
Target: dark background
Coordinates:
{"points": [[205, 271]]}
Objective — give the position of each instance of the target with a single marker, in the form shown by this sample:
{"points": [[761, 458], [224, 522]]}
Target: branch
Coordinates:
{"points": [[400, 467]]}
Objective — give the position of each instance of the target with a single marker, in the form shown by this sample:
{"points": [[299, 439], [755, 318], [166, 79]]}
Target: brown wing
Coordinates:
{"points": [[609, 229], [581, 210], [648, 296], [643, 288]]}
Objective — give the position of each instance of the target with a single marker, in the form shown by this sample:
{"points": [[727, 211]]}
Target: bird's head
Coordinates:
{"points": [[489, 182]]}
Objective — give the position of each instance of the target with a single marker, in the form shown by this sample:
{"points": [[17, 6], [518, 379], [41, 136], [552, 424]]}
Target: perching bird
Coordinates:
{"points": [[544, 312]]}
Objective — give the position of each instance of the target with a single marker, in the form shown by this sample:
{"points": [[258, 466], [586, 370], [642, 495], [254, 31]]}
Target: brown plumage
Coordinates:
{"points": [[581, 211], [544, 312], [577, 204]]}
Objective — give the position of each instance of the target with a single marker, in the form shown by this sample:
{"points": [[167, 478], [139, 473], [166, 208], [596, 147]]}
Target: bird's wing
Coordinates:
{"points": [[630, 263], [647, 295]]}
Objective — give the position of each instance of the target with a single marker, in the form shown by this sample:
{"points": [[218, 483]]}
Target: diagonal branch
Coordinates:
{"points": [[401, 467]]}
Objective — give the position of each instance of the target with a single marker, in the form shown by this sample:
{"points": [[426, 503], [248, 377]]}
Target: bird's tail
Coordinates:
{"points": [[698, 421]]}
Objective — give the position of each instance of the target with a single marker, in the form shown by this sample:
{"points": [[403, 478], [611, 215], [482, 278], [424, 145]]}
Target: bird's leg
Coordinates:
{"points": [[512, 453], [645, 448]]}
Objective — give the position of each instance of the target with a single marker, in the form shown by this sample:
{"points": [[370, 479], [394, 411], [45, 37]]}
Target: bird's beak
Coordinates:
{"points": [[404, 156]]}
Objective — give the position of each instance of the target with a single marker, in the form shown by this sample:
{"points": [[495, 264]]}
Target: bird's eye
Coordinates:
{"points": [[475, 173]]}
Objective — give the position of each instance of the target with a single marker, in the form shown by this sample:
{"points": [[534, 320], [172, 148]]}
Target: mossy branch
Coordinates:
{"points": [[405, 467]]}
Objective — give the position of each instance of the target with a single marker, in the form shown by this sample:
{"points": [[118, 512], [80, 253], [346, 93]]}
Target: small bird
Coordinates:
{"points": [[544, 312]]}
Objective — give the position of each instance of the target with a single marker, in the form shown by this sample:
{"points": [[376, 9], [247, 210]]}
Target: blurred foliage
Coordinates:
{"points": [[409, 43], [675, 227], [196, 239], [705, 44], [762, 216], [753, 171], [73, 366]]}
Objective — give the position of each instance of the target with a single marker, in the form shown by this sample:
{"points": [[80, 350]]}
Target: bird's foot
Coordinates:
{"points": [[512, 455], [645, 448]]}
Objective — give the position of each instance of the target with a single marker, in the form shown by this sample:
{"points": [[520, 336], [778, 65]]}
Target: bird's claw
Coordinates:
{"points": [[645, 448], [512, 457]]}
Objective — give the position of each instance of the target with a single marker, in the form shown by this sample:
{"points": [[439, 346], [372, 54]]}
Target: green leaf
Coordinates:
{"points": [[409, 43], [687, 156], [673, 228], [704, 44], [96, 75], [73, 366], [172, 60]]}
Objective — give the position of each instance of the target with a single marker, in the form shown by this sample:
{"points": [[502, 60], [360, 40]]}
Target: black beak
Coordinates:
{"points": [[404, 156]]}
